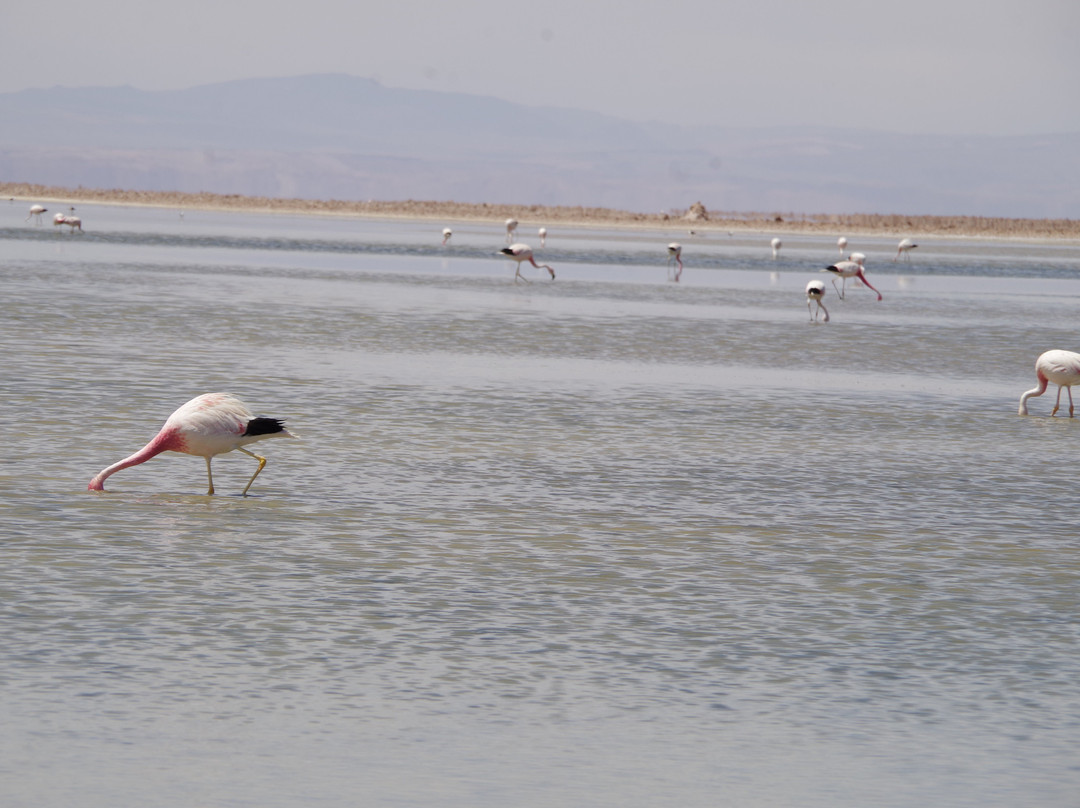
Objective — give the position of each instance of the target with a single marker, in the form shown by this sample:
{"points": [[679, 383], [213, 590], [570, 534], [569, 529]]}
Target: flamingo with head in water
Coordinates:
{"points": [[446, 233], [842, 244], [815, 291], [1060, 367], [542, 232], [845, 270], [776, 245], [674, 251], [523, 252], [511, 229], [209, 425], [905, 247]]}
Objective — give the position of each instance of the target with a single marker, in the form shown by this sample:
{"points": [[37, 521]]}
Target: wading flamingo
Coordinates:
{"points": [[905, 247], [842, 244], [542, 232], [815, 291], [523, 252], [845, 270], [58, 218], [446, 233], [74, 222], [206, 426], [674, 251], [1060, 367], [511, 229], [35, 213], [776, 245]]}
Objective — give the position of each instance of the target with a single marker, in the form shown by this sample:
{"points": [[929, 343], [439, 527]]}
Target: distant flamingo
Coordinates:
{"points": [[209, 425], [842, 244], [674, 251], [523, 252], [446, 233], [848, 269], [776, 245], [74, 222], [511, 229], [815, 291], [58, 218], [905, 247], [542, 232], [858, 258], [35, 213], [1060, 367]]}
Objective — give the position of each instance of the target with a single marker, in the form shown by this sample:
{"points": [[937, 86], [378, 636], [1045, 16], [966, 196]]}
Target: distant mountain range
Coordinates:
{"points": [[342, 137]]}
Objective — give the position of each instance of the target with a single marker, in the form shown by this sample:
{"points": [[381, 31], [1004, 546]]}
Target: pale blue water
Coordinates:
{"points": [[607, 541]]}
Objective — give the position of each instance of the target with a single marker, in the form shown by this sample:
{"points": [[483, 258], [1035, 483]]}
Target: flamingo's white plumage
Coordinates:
{"points": [[523, 252], [904, 248], [842, 244], [674, 251], [511, 229], [815, 292], [1060, 367], [209, 425], [35, 213], [542, 232], [845, 270], [776, 245], [446, 233]]}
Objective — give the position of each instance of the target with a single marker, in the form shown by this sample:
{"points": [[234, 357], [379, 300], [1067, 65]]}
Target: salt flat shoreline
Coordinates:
{"points": [[675, 221]]}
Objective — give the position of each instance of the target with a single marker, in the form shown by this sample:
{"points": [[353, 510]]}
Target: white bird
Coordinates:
{"points": [[446, 233], [1060, 367], [845, 270], [35, 213], [209, 425], [511, 229], [74, 222], [842, 244], [674, 251], [858, 258], [905, 247], [815, 291], [776, 244], [542, 232], [523, 252]]}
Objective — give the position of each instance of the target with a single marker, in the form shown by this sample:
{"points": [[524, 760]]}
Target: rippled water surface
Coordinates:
{"points": [[607, 541]]}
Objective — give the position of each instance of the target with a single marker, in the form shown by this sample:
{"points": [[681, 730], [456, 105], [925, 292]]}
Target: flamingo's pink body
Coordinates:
{"points": [[674, 251], [209, 425], [1060, 367], [815, 292], [845, 270], [523, 252]]}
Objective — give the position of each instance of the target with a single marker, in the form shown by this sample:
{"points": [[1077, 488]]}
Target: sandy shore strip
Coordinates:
{"points": [[695, 217]]}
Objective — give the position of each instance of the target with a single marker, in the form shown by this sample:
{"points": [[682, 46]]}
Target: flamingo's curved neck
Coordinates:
{"points": [[165, 440]]}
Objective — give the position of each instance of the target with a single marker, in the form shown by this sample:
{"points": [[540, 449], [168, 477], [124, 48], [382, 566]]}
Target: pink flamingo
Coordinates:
{"points": [[542, 232], [58, 219], [905, 246], [845, 270], [674, 251], [1060, 367], [815, 291], [35, 213], [776, 245], [446, 233], [842, 244], [209, 425], [523, 252], [511, 229]]}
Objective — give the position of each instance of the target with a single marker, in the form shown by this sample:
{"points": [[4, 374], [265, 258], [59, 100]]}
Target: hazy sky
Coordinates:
{"points": [[933, 66]]}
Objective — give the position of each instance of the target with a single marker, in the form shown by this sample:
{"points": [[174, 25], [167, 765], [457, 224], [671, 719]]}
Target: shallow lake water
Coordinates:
{"points": [[606, 541]]}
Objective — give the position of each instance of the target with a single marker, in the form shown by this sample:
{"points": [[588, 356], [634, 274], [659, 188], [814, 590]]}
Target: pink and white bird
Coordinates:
{"points": [[1060, 367], [511, 229], [58, 218], [523, 252], [905, 247], [74, 222], [815, 292], [842, 244], [35, 213], [845, 270], [776, 245], [542, 232], [209, 425], [446, 233], [674, 251]]}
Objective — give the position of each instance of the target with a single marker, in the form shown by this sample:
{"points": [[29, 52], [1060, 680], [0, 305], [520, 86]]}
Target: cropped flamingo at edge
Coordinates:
{"points": [[208, 425], [674, 251], [1060, 367], [523, 252]]}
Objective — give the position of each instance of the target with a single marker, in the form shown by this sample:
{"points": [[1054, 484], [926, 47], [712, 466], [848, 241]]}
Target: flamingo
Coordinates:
{"points": [[848, 269], [1060, 367], [208, 425], [446, 233], [523, 252], [905, 246], [776, 244], [35, 213], [841, 243], [674, 251], [511, 229], [73, 222], [58, 218], [542, 232], [815, 291]]}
